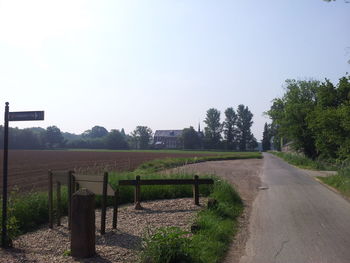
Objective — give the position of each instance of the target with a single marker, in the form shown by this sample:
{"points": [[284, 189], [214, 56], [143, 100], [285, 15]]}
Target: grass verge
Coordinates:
{"points": [[304, 162], [216, 227], [340, 181]]}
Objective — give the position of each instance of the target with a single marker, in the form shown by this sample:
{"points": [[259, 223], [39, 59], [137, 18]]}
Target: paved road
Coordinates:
{"points": [[297, 219]]}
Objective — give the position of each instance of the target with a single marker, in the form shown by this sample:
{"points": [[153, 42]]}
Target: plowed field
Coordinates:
{"points": [[28, 169]]}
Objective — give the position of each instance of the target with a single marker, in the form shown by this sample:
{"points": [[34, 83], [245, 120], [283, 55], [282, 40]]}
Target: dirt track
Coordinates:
{"points": [[245, 176]]}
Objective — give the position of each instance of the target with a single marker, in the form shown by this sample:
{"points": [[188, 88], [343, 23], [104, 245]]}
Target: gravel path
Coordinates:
{"points": [[121, 245]]}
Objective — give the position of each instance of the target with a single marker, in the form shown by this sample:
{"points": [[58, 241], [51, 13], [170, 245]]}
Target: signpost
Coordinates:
{"points": [[12, 116]]}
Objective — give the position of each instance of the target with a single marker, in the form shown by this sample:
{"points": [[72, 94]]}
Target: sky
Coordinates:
{"points": [[162, 63]]}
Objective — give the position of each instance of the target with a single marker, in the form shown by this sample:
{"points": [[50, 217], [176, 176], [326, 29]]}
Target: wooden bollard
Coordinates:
{"points": [[83, 224]]}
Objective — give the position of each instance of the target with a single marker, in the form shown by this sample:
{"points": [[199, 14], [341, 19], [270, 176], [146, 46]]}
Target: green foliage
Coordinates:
{"points": [[142, 136], [340, 181], [216, 228], [54, 137], [315, 117], [246, 139], [229, 128], [191, 139], [266, 145], [305, 162], [166, 245], [95, 132], [214, 128]]}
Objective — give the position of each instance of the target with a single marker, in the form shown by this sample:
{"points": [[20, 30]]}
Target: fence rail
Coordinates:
{"points": [[138, 182]]}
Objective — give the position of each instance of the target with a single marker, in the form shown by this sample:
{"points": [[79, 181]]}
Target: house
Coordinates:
{"points": [[168, 139]]}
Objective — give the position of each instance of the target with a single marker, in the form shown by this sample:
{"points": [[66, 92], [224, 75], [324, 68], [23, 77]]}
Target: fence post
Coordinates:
{"points": [[59, 203], [70, 190], [196, 190], [50, 200], [115, 208], [83, 224], [104, 203], [137, 194]]}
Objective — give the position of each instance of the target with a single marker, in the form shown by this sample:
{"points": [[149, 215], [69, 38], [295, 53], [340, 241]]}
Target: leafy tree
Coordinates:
{"points": [[142, 135], [213, 129], [229, 128], [95, 132], [116, 140], [291, 111], [244, 123], [54, 137], [266, 145], [190, 138]]}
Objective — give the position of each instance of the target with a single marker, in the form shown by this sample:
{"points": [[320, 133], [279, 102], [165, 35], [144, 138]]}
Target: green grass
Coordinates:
{"points": [[304, 162], [217, 227], [340, 181]]}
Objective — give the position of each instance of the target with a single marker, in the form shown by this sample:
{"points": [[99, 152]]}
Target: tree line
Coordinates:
{"points": [[315, 117], [234, 133], [231, 134]]}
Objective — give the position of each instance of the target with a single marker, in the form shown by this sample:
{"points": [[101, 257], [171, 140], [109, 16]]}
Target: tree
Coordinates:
{"points": [[290, 114], [244, 123], [95, 132], [266, 144], [142, 135], [190, 138], [229, 128], [54, 137], [116, 140], [214, 128]]}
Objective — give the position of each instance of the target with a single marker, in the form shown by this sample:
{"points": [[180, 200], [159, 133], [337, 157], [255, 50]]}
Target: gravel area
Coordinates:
{"points": [[121, 245]]}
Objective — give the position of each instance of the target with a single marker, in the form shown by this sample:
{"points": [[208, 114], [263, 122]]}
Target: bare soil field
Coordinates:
{"points": [[28, 168]]}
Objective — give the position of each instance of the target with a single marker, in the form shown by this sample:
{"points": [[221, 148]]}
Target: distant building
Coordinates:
{"points": [[168, 139]]}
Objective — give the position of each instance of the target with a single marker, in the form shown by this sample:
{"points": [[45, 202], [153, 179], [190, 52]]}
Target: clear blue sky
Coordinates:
{"points": [[162, 63]]}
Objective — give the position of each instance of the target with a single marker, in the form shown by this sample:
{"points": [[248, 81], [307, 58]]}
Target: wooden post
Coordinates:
{"points": [[137, 194], [70, 190], [115, 208], [104, 203], [59, 204], [196, 190], [83, 224], [50, 200]]}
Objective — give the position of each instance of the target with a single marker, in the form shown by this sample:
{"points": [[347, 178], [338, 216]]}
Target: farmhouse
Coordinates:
{"points": [[168, 139]]}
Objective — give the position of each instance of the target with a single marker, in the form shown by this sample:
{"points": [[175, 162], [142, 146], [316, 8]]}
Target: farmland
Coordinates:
{"points": [[28, 168]]}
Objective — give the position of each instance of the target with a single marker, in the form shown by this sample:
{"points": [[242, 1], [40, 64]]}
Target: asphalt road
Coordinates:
{"points": [[297, 219]]}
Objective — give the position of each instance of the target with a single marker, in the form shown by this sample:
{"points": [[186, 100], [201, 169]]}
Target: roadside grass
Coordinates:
{"points": [[340, 181], [216, 228], [304, 162], [29, 211]]}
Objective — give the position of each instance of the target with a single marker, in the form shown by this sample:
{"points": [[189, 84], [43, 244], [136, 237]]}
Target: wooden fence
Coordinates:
{"points": [[195, 182]]}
